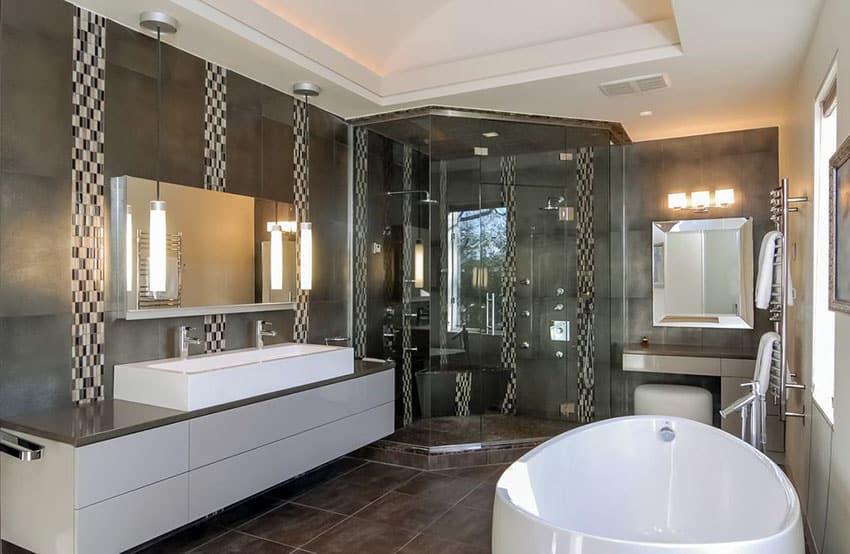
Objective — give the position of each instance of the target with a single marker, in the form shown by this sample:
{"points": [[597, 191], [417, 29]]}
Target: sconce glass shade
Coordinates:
{"points": [[419, 265], [276, 257], [700, 199], [677, 200], [724, 197], [156, 248], [129, 257], [286, 226], [306, 256]]}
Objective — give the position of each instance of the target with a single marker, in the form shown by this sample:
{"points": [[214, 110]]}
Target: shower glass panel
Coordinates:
{"points": [[507, 339]]}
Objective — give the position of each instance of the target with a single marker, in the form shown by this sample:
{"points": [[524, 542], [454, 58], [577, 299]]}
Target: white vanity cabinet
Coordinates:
{"points": [[111, 495]]}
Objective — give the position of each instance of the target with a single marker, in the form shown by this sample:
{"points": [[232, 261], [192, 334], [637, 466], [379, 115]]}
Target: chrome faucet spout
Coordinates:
{"points": [[184, 340], [263, 329]]}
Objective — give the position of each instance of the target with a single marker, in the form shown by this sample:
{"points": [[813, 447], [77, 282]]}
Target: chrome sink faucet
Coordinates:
{"points": [[184, 340], [263, 329]]}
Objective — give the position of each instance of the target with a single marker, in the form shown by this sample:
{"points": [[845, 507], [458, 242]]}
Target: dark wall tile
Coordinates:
{"points": [[35, 362], [35, 253], [35, 91], [130, 123], [243, 151], [277, 167]]}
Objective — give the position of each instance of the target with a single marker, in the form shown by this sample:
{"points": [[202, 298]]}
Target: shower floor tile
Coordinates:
{"points": [[490, 428]]}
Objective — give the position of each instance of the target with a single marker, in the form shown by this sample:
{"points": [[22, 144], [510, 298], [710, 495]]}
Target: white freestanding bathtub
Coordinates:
{"points": [[646, 484]]}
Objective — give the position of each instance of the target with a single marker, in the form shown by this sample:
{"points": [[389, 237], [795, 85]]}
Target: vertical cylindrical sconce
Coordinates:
{"points": [[306, 256], [419, 264], [129, 254], [276, 256], [156, 247]]}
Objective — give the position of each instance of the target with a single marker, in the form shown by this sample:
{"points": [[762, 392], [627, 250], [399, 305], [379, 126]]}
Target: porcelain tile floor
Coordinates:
{"points": [[352, 506]]}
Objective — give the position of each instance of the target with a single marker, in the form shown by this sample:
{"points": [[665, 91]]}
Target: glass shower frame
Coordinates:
{"points": [[460, 161]]}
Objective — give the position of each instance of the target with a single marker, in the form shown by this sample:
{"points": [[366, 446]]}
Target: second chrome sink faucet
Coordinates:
{"points": [[184, 340], [263, 329]]}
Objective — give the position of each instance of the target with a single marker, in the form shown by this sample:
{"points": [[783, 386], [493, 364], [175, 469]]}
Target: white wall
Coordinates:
{"points": [[817, 456]]}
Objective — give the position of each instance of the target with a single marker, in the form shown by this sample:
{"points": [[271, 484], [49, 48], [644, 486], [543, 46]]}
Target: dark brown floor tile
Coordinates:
{"points": [[185, 539], [237, 515], [500, 469], [291, 524], [340, 497], [362, 537], [479, 473], [235, 542], [465, 525], [429, 544], [404, 510], [481, 498], [387, 477], [323, 474], [439, 487]]}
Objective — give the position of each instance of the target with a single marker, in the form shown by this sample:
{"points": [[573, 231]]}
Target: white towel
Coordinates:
{"points": [[763, 360], [764, 281]]}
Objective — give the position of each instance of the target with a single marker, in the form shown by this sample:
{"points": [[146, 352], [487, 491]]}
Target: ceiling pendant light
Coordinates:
{"points": [[305, 228], [419, 264], [157, 234]]}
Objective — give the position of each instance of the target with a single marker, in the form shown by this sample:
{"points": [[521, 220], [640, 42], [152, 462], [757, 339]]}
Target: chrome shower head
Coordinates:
{"points": [[553, 204], [427, 200]]}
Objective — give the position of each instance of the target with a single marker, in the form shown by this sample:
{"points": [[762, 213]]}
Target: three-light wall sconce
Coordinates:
{"points": [[700, 201]]}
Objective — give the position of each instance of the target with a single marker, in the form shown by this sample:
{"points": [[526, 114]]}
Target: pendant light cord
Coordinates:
{"points": [[158, 101]]}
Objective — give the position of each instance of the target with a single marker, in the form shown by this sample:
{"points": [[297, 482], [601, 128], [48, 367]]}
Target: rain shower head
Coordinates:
{"points": [[553, 204], [427, 200]]}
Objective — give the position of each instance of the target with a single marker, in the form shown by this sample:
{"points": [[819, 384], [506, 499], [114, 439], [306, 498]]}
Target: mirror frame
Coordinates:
{"points": [[745, 319], [118, 276]]}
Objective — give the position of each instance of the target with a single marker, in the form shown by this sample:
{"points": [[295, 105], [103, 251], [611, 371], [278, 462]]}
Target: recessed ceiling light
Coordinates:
{"points": [[490, 134], [646, 113]]}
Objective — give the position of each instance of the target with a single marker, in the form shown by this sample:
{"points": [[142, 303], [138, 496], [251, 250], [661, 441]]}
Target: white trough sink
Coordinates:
{"points": [[213, 379]]}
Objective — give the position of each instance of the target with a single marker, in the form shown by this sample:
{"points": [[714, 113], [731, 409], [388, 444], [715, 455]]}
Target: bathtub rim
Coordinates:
{"points": [[792, 519]]}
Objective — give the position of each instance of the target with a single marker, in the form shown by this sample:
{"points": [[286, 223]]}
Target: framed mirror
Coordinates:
{"points": [[702, 273], [220, 255]]}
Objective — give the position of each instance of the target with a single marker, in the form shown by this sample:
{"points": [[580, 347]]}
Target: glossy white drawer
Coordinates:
{"points": [[217, 485], [224, 434], [109, 468], [132, 518]]}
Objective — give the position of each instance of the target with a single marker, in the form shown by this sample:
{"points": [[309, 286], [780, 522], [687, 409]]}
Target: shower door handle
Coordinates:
{"points": [[490, 307]]}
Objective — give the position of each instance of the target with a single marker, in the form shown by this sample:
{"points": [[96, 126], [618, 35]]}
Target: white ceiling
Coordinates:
{"points": [[731, 63]]}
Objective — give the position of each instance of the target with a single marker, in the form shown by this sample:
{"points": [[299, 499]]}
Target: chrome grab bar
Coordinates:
{"points": [[329, 340], [19, 448]]}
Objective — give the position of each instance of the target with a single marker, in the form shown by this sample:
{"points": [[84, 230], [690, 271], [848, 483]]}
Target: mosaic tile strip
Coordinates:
{"points": [[301, 180], [586, 290], [508, 288], [407, 288], [87, 206], [215, 127], [463, 392], [215, 172], [444, 265], [214, 327], [361, 227]]}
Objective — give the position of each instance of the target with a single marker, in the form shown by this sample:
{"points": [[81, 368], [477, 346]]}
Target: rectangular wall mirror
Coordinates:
{"points": [[702, 273], [220, 253]]}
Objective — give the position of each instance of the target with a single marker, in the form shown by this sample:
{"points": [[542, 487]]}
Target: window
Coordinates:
{"points": [[823, 320], [476, 255]]}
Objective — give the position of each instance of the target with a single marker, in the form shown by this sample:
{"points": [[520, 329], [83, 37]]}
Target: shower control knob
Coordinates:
{"points": [[525, 313], [525, 281], [559, 307], [524, 345], [559, 291], [559, 354]]}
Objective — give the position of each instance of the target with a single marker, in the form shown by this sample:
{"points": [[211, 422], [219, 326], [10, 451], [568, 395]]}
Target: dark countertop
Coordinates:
{"points": [[691, 350], [92, 423]]}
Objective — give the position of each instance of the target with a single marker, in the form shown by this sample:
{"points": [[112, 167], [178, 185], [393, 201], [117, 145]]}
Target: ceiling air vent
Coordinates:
{"points": [[635, 85]]}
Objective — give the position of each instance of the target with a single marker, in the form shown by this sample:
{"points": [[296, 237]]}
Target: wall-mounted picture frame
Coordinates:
{"points": [[839, 229]]}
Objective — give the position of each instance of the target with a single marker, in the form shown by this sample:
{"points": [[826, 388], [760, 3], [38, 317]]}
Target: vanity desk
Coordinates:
{"points": [[105, 477], [733, 366]]}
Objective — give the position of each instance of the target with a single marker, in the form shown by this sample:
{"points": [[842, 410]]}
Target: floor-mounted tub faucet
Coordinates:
{"points": [[263, 329], [184, 340]]}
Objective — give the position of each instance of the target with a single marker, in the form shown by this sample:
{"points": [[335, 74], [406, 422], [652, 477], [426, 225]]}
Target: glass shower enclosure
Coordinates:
{"points": [[481, 268]]}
